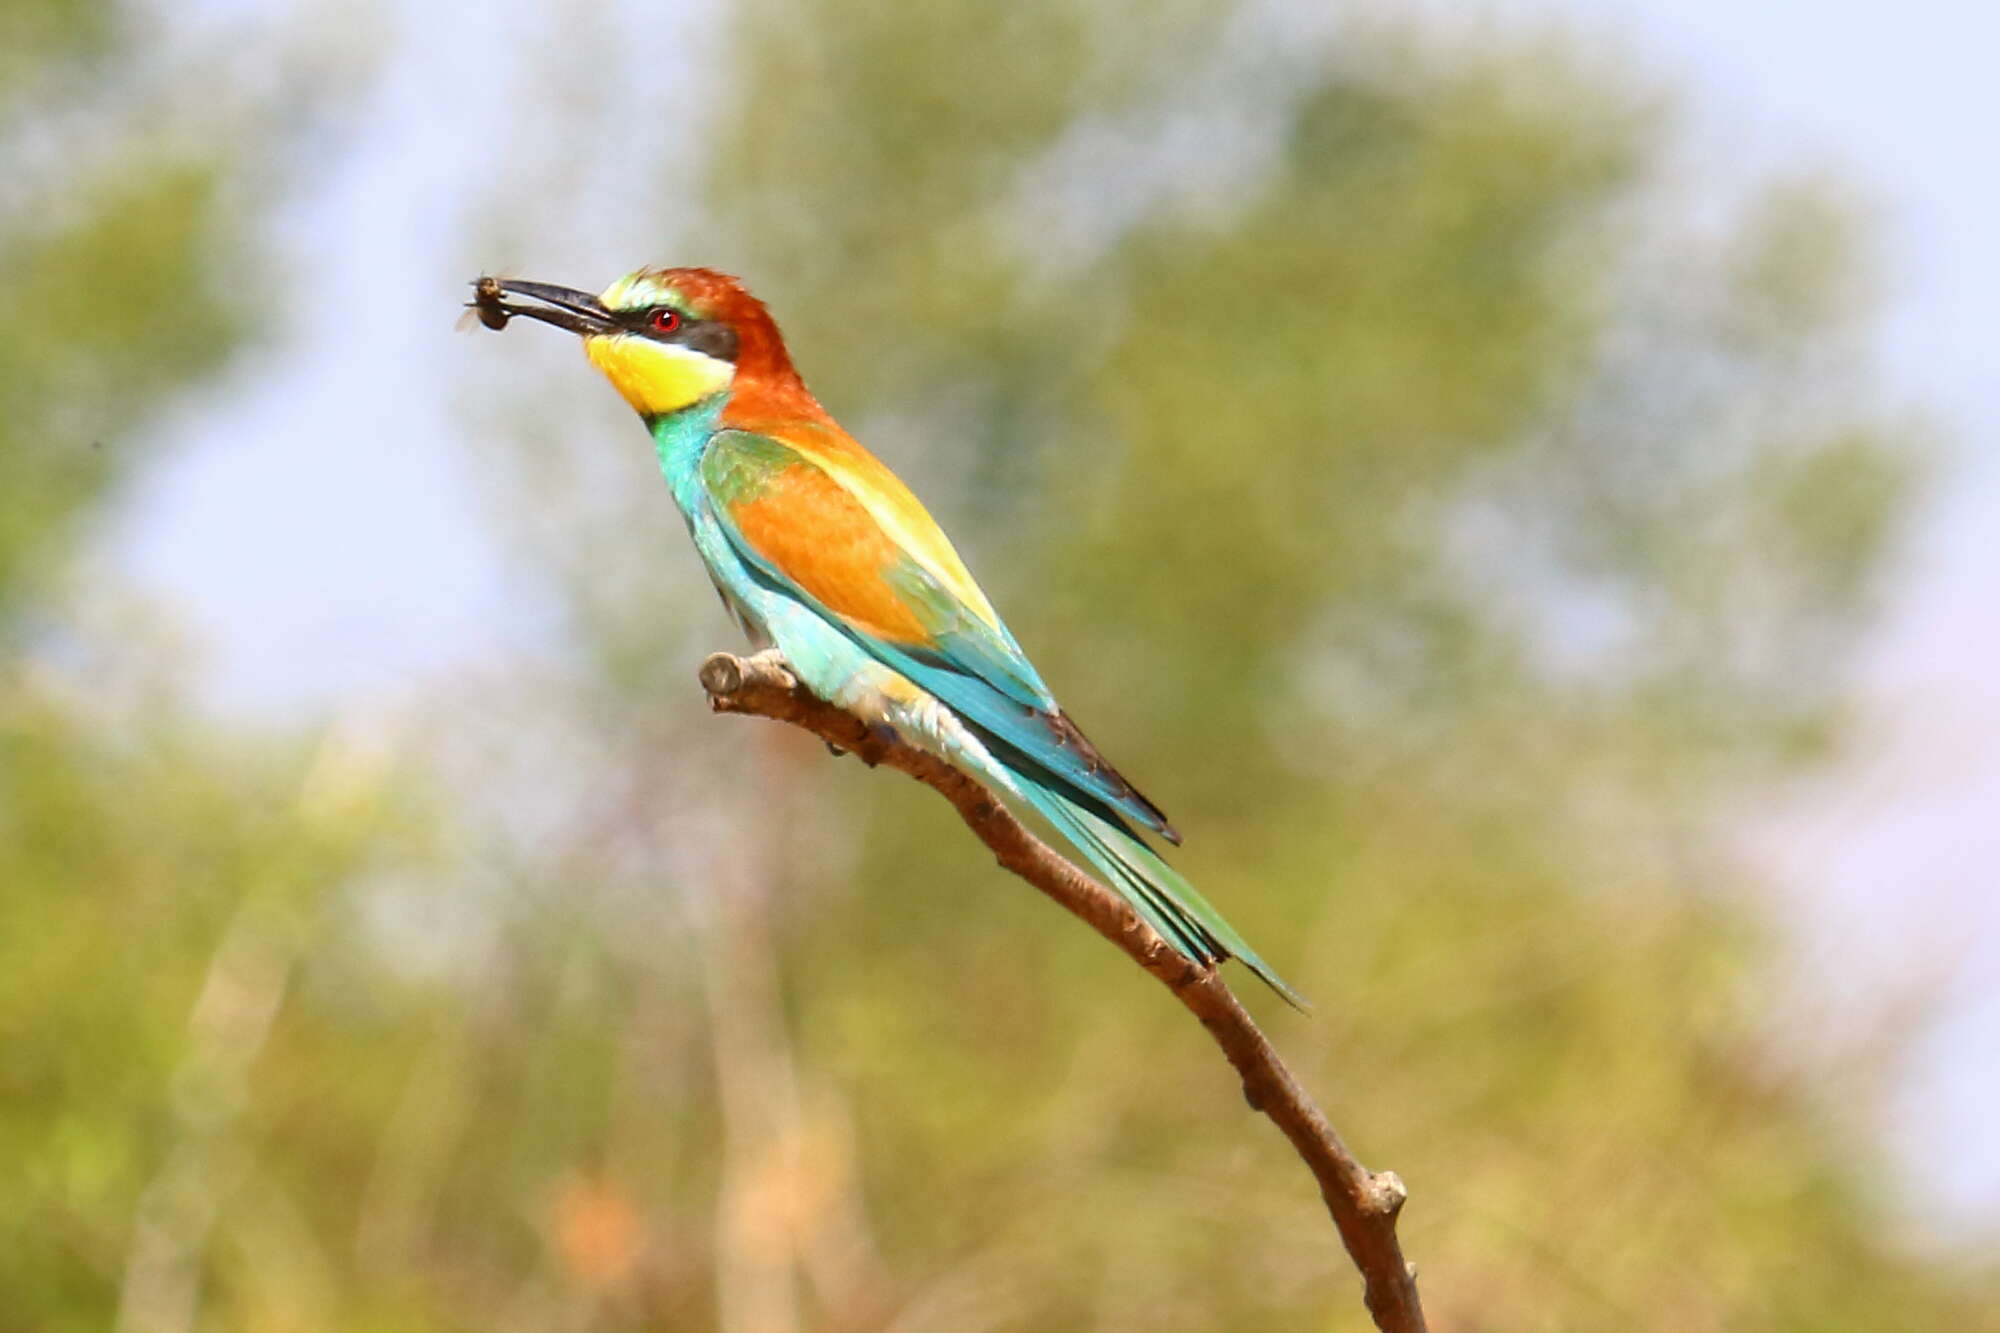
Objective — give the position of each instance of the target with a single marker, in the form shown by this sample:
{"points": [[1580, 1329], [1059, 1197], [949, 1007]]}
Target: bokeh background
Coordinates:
{"points": [[1509, 479]]}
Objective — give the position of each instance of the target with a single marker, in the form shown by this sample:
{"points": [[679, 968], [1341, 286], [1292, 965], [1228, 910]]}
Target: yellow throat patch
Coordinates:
{"points": [[656, 378]]}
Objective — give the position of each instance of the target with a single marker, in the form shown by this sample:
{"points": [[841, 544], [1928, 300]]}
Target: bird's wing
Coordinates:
{"points": [[835, 528]]}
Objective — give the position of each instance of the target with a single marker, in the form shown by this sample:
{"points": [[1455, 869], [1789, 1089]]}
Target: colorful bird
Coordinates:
{"points": [[820, 550]]}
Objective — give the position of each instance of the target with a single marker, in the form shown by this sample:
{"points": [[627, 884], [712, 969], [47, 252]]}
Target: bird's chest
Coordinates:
{"points": [[681, 440]]}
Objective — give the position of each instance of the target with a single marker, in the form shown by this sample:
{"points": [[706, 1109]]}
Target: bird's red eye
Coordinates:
{"points": [[664, 320]]}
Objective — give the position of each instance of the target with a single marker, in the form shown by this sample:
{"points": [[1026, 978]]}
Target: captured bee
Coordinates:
{"points": [[486, 306], [486, 300]]}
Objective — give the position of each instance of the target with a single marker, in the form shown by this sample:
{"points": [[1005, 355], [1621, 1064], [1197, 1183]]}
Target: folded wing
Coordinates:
{"points": [[827, 523]]}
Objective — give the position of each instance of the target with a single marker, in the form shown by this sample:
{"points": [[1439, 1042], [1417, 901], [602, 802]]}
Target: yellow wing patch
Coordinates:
{"points": [[809, 527], [892, 505]]}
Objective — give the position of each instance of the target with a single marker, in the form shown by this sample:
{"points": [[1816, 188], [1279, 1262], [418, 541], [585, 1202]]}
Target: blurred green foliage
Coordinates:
{"points": [[158, 878], [100, 290], [1450, 533]]}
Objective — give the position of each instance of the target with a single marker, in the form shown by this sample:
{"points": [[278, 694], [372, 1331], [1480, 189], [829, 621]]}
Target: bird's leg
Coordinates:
{"points": [[772, 657]]}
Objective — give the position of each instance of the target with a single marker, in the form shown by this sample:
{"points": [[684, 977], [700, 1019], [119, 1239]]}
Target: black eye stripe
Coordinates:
{"points": [[708, 336], [640, 320]]}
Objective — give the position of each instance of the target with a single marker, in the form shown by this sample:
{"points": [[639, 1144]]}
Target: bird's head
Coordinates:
{"points": [[666, 338]]}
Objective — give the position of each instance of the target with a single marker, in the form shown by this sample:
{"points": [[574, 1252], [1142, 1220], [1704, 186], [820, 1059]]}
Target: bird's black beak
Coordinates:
{"points": [[566, 308]]}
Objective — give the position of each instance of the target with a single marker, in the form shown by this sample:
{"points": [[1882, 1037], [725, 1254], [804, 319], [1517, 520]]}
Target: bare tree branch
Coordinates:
{"points": [[1364, 1204]]}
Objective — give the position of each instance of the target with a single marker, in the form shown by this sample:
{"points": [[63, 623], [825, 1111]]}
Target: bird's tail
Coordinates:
{"points": [[1156, 891]]}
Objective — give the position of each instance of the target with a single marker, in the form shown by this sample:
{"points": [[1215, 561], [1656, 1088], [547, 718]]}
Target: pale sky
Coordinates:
{"points": [[383, 574]]}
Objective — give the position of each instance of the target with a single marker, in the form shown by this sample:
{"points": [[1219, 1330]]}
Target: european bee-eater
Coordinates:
{"points": [[820, 550]]}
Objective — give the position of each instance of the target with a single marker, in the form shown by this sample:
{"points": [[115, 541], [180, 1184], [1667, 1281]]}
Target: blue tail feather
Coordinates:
{"points": [[1156, 891]]}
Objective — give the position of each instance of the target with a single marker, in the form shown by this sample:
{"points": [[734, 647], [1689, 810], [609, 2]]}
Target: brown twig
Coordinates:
{"points": [[1364, 1204]]}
